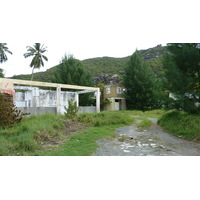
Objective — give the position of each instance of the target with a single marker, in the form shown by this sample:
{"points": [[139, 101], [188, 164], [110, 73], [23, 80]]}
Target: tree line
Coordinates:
{"points": [[145, 89]]}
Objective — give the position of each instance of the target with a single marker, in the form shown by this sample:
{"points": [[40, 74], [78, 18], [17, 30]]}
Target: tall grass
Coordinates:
{"points": [[105, 118], [151, 113], [82, 143], [27, 136], [181, 124], [102, 125], [145, 123]]}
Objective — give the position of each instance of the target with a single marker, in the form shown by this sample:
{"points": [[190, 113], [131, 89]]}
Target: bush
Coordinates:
{"points": [[8, 112], [72, 109], [181, 124]]}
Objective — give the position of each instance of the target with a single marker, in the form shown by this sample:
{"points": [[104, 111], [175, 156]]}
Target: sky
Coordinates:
{"points": [[91, 28]]}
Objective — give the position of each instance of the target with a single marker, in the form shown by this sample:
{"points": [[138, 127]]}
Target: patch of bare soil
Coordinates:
{"points": [[72, 126]]}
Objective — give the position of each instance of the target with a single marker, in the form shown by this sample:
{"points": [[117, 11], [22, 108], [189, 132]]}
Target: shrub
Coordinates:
{"points": [[72, 109], [8, 112], [181, 124]]}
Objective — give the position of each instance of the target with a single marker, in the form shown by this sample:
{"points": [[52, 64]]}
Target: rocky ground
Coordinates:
{"points": [[133, 141]]}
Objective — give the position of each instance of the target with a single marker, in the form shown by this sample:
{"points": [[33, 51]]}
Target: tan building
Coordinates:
{"points": [[114, 93]]}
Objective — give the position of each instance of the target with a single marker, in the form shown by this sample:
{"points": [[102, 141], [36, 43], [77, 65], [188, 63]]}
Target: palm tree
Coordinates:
{"points": [[37, 51], [3, 49]]}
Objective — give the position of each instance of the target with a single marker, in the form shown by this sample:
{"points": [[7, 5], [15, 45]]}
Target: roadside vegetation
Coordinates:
{"points": [[145, 123], [29, 135], [56, 135], [181, 124], [152, 113]]}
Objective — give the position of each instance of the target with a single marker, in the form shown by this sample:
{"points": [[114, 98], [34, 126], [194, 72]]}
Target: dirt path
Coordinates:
{"points": [[133, 141]]}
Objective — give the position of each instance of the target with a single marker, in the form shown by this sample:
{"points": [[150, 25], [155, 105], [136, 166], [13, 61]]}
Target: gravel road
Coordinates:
{"points": [[133, 141]]}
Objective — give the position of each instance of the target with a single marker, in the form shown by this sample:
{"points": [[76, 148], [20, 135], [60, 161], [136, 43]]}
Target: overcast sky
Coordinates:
{"points": [[92, 28]]}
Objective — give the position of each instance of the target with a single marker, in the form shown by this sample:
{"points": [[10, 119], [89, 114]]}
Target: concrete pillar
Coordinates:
{"points": [[35, 97], [77, 99], [98, 100], [58, 99]]}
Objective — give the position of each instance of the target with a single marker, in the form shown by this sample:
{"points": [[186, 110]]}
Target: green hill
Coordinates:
{"points": [[107, 69]]}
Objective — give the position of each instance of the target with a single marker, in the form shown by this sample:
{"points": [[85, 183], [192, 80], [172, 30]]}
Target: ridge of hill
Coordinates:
{"points": [[107, 69]]}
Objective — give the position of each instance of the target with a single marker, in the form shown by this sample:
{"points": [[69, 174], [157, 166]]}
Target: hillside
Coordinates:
{"points": [[107, 69]]}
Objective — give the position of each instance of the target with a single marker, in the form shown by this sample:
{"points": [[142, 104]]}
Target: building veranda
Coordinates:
{"points": [[31, 98]]}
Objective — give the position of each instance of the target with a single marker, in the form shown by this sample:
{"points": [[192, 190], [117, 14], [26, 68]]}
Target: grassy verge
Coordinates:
{"points": [[181, 124], [28, 137], [82, 143], [105, 118], [145, 123], [152, 113], [102, 125]]}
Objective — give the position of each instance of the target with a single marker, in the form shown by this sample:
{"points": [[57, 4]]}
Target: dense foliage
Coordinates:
{"points": [[71, 71], [181, 124], [8, 113], [142, 86], [183, 75]]}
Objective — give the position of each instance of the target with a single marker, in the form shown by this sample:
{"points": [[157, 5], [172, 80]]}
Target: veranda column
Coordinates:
{"points": [[98, 100], [77, 98], [58, 99]]}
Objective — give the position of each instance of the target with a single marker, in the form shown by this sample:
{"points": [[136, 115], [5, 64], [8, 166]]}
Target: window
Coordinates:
{"points": [[108, 90], [120, 90]]}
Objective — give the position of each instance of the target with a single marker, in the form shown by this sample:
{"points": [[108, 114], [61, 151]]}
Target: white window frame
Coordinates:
{"points": [[108, 90], [119, 90]]}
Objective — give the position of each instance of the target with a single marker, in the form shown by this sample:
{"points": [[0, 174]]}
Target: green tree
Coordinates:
{"points": [[1, 73], [3, 57], [37, 52], [142, 86], [3, 50], [71, 71], [182, 69]]}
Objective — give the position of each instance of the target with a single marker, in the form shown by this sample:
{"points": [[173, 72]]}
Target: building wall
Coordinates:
{"points": [[115, 95], [53, 110], [113, 91], [37, 110], [37, 101], [116, 104], [35, 97]]}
